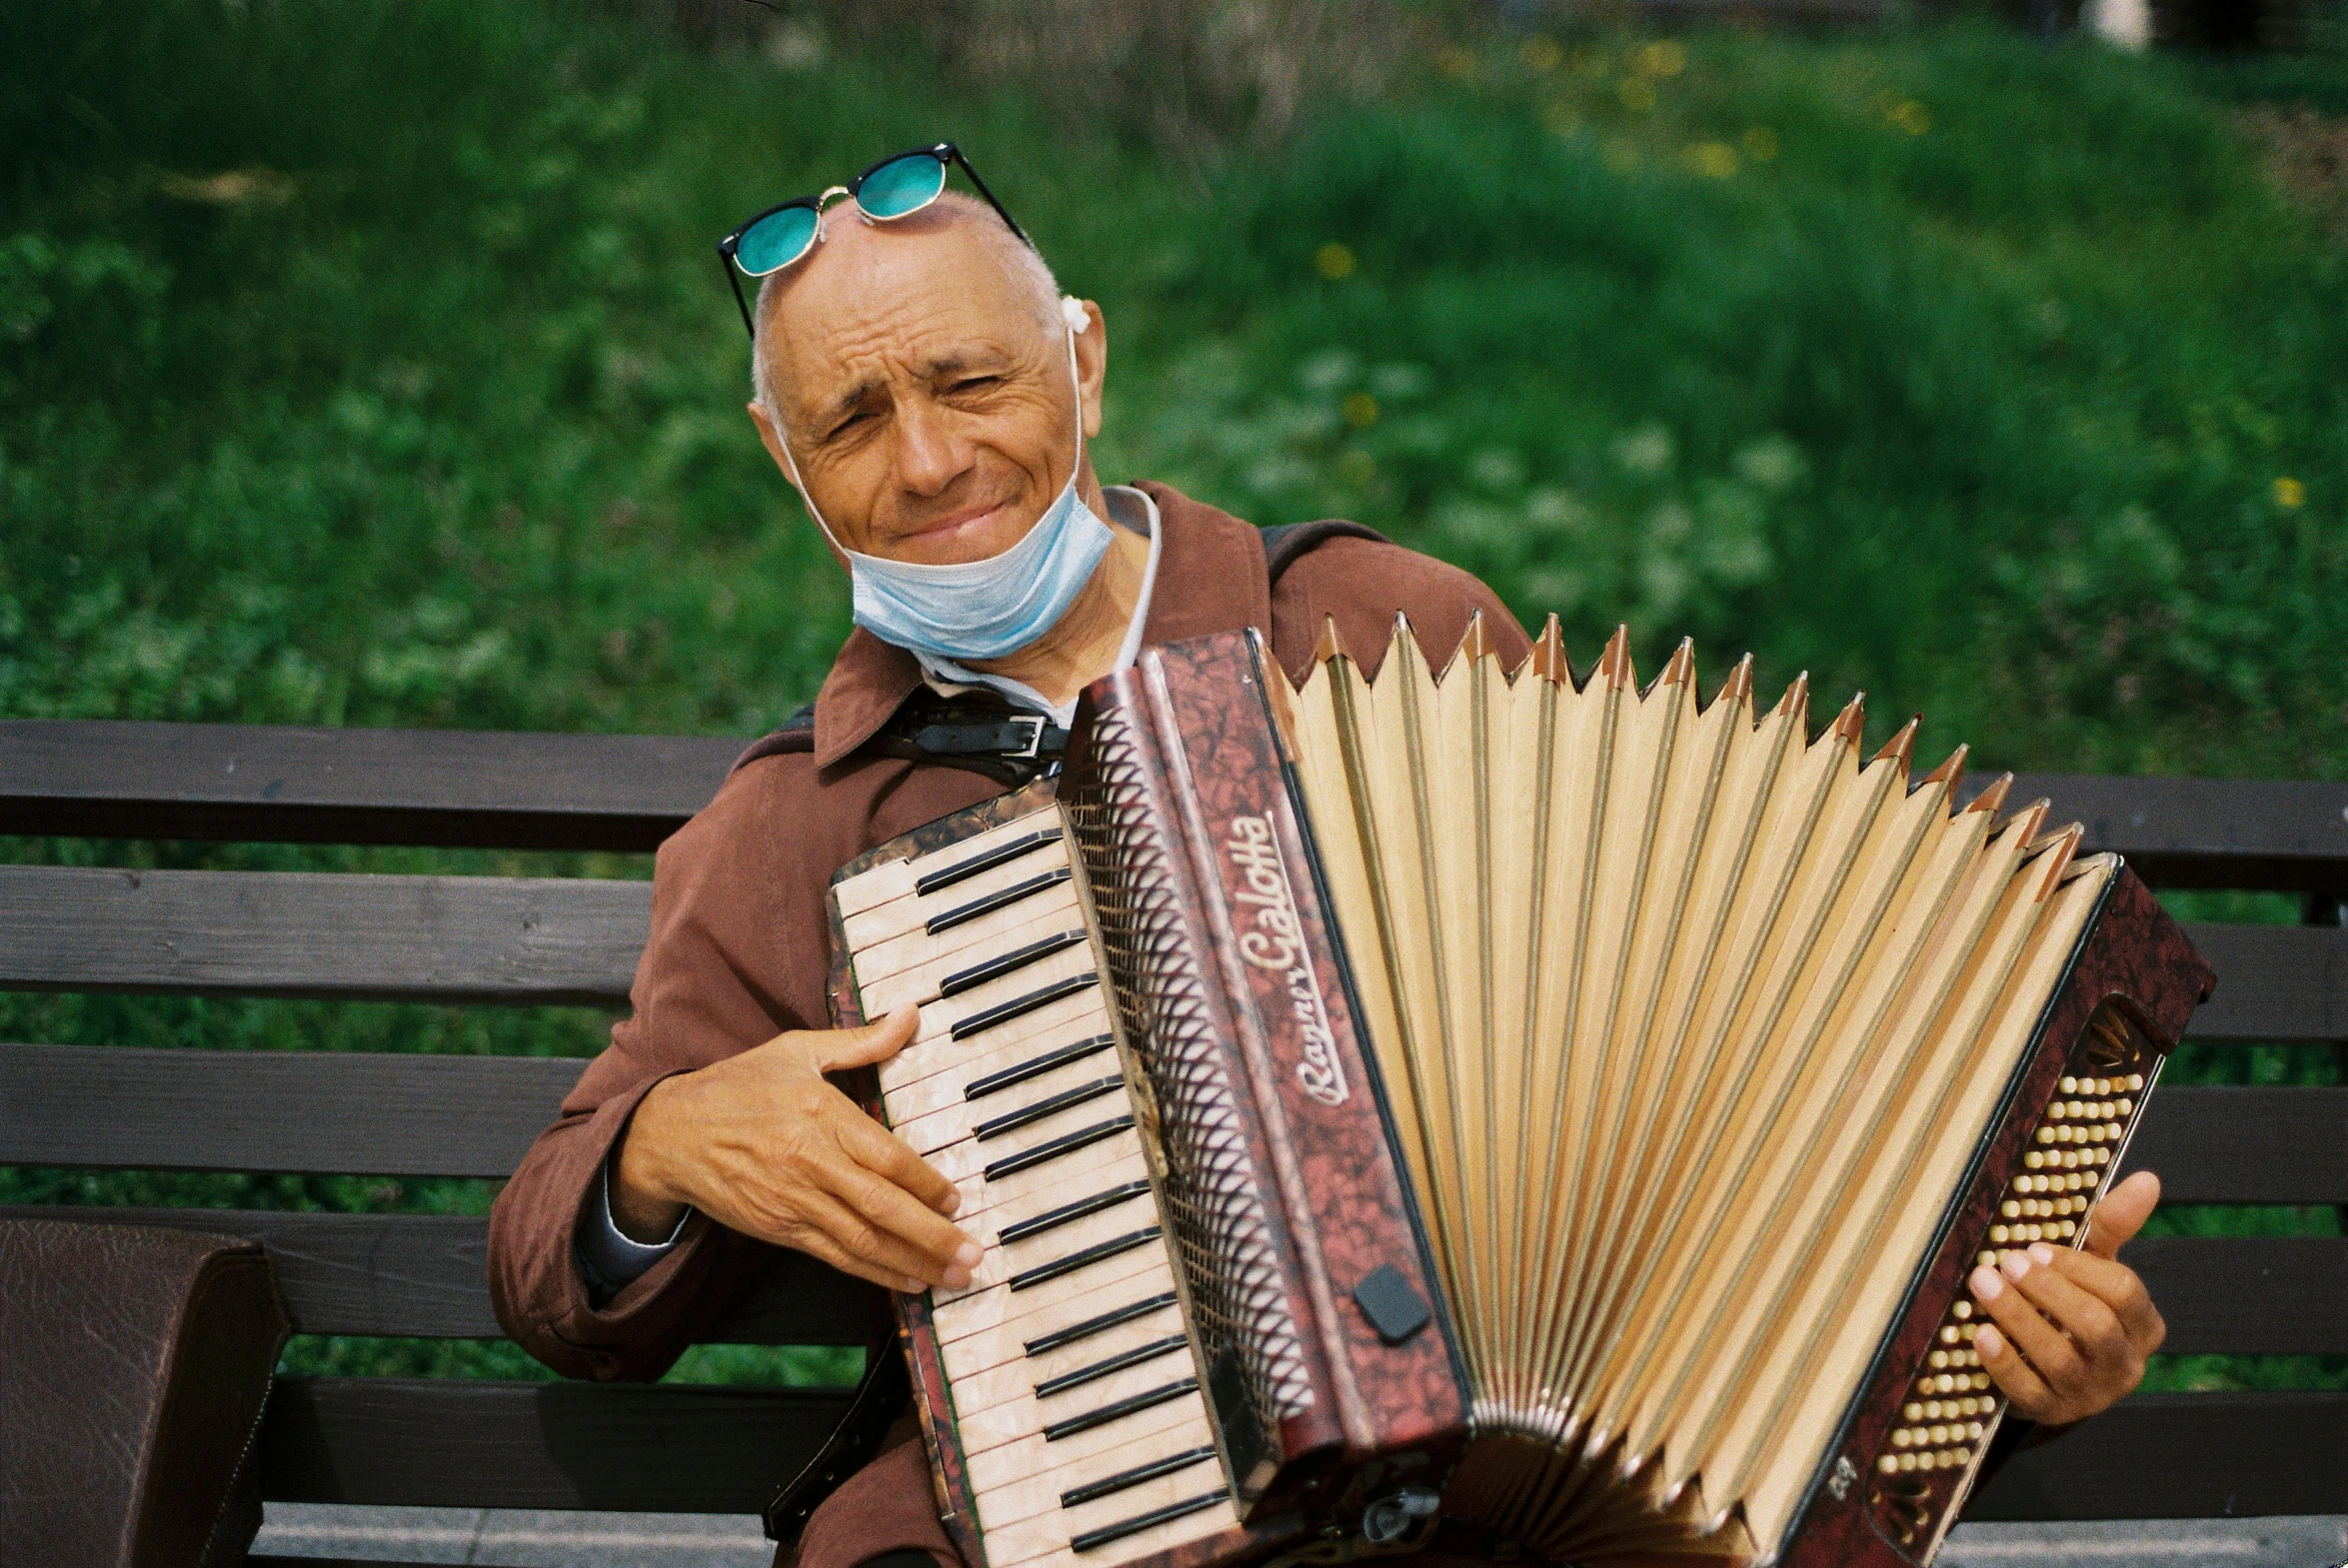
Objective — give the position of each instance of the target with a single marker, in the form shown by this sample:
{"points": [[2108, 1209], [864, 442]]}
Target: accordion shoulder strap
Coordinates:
{"points": [[988, 738], [1284, 542]]}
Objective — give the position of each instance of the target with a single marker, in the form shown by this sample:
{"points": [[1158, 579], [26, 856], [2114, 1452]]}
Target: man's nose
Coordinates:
{"points": [[930, 451]]}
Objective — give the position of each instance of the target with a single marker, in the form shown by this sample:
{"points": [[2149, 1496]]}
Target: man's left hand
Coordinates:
{"points": [[2069, 1331]]}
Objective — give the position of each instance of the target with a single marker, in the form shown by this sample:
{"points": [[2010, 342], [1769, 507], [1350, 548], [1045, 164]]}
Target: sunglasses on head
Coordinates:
{"points": [[895, 186]]}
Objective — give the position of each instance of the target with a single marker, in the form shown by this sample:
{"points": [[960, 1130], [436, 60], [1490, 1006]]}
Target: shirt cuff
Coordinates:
{"points": [[609, 1260]]}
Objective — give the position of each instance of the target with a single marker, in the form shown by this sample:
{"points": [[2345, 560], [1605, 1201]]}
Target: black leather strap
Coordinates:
{"points": [[993, 738], [880, 1399], [1013, 738]]}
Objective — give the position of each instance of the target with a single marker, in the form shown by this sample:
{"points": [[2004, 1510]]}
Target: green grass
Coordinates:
{"points": [[370, 364]]}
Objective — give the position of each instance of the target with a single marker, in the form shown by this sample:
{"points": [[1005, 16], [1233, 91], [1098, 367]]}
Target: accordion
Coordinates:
{"points": [[1556, 1111]]}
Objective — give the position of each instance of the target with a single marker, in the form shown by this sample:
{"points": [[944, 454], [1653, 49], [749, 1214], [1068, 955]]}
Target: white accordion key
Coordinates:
{"points": [[1098, 1472], [1035, 1453], [1086, 1242], [1111, 1397], [988, 1206], [1084, 1012], [980, 1381], [897, 879], [1025, 1067], [1056, 1529], [1203, 1506], [1018, 1122], [972, 1016], [997, 931], [1093, 1291], [1040, 865], [927, 976]]}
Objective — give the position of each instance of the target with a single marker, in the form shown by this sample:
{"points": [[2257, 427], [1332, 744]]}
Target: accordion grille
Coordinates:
{"points": [[1238, 1301]]}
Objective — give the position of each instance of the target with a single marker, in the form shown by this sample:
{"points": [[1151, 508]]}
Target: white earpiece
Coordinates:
{"points": [[1072, 312]]}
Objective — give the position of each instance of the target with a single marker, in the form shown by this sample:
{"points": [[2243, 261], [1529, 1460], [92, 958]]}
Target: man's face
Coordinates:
{"points": [[930, 412]]}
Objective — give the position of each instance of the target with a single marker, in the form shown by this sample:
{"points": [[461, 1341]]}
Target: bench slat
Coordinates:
{"points": [[423, 1277], [295, 784], [2275, 982], [298, 934], [301, 1113], [359, 1113], [2184, 1456], [460, 1444], [2203, 832], [2215, 1144], [2247, 1295], [576, 940], [586, 791], [709, 1450]]}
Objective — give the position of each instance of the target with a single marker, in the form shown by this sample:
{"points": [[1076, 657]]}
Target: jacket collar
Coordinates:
{"points": [[1210, 577]]}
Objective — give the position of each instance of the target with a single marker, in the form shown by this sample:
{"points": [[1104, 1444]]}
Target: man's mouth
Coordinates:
{"points": [[955, 527]]}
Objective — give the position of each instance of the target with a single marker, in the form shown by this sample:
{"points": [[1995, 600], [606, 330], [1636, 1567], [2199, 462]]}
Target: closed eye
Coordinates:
{"points": [[973, 383]]}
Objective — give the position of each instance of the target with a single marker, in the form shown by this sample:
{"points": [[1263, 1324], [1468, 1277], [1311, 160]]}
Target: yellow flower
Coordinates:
{"points": [[1713, 160], [1912, 117], [1540, 52], [1638, 93], [1334, 261], [1456, 62], [2289, 493], [1664, 57], [1760, 144], [1359, 409]]}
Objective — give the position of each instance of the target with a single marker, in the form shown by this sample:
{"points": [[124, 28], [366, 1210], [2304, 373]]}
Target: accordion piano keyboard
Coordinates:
{"points": [[1077, 1393]]}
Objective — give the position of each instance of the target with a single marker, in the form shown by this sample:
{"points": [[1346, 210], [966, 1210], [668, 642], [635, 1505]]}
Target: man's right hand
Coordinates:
{"points": [[761, 1144]]}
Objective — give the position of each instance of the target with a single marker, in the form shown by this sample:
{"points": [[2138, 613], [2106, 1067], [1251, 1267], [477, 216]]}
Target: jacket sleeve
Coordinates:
{"points": [[705, 987]]}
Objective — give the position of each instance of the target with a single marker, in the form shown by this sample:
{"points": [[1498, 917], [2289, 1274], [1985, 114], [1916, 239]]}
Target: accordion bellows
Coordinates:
{"points": [[1690, 1023], [1555, 1109]]}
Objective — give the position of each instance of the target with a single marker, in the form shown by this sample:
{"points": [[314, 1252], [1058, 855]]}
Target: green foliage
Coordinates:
{"points": [[370, 364], [1951, 368]]}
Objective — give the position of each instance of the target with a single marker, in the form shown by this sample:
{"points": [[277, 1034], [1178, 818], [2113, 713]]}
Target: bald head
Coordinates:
{"points": [[920, 384], [944, 239]]}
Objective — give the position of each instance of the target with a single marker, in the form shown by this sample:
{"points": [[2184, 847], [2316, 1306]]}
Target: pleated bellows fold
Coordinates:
{"points": [[1684, 1017]]}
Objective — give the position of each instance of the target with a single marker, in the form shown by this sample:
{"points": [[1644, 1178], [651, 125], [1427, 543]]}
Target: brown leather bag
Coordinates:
{"points": [[134, 1361]]}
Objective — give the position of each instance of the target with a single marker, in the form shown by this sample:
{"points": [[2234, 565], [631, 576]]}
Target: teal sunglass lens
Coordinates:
{"points": [[776, 241], [902, 185]]}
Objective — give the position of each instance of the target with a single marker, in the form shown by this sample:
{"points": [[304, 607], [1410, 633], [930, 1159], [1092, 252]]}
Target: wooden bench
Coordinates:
{"points": [[517, 941]]}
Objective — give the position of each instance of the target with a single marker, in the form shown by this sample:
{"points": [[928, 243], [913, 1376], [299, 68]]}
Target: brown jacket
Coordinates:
{"points": [[739, 947]]}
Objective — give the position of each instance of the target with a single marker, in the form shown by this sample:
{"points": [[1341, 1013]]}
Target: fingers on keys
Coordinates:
{"points": [[2069, 1332], [890, 1157], [861, 1236]]}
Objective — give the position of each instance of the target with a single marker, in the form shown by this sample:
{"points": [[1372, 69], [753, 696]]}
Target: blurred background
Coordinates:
{"points": [[369, 363]]}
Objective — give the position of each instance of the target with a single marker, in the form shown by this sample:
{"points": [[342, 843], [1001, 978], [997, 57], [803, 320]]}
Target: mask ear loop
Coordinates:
{"points": [[1078, 318], [1071, 312]]}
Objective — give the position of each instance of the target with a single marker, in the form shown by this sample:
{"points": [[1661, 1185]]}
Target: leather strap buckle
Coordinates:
{"points": [[1034, 723]]}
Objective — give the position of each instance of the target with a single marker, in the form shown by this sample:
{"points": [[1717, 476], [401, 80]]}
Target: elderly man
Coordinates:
{"points": [[922, 383]]}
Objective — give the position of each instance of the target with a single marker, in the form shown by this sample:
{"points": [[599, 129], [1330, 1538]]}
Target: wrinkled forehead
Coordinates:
{"points": [[890, 298]]}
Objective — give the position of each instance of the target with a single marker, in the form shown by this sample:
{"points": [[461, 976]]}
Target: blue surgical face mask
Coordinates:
{"points": [[985, 608]]}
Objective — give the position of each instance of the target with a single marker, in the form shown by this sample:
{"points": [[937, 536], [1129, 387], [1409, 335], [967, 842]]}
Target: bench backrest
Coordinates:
{"points": [[495, 939]]}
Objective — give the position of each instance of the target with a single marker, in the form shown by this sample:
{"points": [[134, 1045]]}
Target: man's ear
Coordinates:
{"points": [[773, 438], [1092, 362]]}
